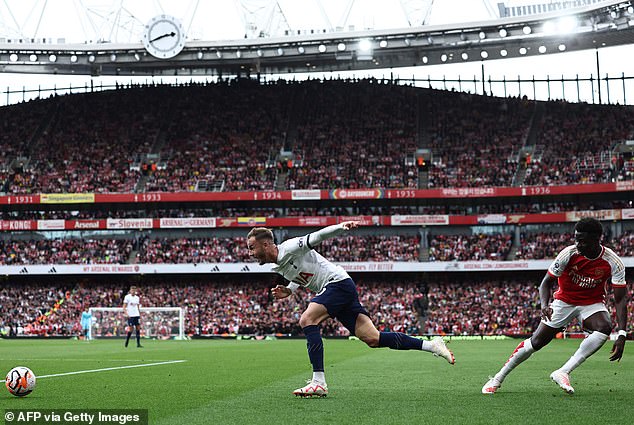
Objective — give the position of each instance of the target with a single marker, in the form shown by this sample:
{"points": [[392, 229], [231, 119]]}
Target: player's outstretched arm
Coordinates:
{"points": [[319, 236], [620, 298], [280, 292]]}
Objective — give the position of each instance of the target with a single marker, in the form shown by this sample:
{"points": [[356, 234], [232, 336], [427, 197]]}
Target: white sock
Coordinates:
{"points": [[319, 377], [426, 346], [521, 353], [588, 347]]}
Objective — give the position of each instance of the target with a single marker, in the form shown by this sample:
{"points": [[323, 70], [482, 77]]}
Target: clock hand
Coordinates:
{"points": [[170, 34]]}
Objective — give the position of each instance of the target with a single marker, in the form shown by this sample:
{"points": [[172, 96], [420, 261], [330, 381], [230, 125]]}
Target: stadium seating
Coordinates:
{"points": [[341, 133], [491, 307]]}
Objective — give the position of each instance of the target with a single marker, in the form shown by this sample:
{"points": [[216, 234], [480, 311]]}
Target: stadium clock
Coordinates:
{"points": [[164, 37]]}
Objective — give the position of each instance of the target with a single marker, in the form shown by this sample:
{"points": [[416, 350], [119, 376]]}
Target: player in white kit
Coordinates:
{"points": [[583, 272], [131, 305], [337, 297]]}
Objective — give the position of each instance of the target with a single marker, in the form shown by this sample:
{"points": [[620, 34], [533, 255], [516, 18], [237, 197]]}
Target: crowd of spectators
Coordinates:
{"points": [[578, 140], [346, 248], [224, 132], [545, 245], [470, 247], [354, 135], [65, 251], [91, 143], [371, 248], [342, 134], [537, 246], [245, 306], [483, 308], [193, 250], [624, 245], [475, 139]]}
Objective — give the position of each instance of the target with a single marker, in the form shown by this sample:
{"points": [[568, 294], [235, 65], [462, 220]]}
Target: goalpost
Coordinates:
{"points": [[155, 322]]}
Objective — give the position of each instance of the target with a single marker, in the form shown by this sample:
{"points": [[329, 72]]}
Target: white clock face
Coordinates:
{"points": [[164, 37]]}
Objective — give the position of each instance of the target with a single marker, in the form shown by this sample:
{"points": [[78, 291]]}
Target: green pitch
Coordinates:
{"points": [[250, 382]]}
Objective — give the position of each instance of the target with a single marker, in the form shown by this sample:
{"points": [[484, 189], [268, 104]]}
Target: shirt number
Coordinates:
{"points": [[303, 278]]}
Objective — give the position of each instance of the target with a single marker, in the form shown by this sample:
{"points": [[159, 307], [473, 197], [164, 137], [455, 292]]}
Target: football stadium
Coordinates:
{"points": [[258, 212]]}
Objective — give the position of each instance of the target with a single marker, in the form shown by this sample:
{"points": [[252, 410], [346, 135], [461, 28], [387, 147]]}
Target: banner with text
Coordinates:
{"points": [[192, 222], [67, 198], [420, 220], [129, 223], [235, 268]]}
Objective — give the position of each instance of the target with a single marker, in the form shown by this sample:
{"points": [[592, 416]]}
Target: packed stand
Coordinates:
{"points": [[245, 306], [65, 251], [493, 129], [19, 124], [477, 247], [92, 142], [546, 245], [537, 246], [193, 250], [484, 308], [343, 134], [371, 248], [578, 140], [223, 132], [624, 245], [354, 135]]}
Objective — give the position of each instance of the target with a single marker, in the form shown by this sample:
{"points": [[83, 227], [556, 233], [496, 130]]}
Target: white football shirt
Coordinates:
{"points": [[298, 262], [132, 302]]}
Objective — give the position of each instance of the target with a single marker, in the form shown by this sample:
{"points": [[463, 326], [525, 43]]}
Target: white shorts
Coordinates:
{"points": [[563, 313]]}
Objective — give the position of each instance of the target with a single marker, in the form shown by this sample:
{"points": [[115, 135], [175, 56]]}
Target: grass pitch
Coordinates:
{"points": [[250, 382]]}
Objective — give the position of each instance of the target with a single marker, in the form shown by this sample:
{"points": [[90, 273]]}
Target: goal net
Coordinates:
{"points": [[155, 322]]}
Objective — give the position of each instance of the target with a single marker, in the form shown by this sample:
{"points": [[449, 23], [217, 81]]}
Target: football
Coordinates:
{"points": [[20, 381]]}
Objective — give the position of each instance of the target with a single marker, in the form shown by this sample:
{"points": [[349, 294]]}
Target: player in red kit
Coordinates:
{"points": [[583, 272]]}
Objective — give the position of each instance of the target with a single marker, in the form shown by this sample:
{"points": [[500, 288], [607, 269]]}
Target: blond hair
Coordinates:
{"points": [[260, 233]]}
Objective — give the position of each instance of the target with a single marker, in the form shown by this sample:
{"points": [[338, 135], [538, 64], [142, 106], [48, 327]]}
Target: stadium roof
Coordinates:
{"points": [[594, 24]]}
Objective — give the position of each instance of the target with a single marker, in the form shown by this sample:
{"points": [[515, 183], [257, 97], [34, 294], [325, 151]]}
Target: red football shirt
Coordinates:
{"points": [[584, 281]]}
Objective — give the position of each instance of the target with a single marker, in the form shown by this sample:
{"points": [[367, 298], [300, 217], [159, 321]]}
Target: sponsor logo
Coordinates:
{"points": [[51, 224], [313, 221], [492, 219], [129, 223], [226, 222], [515, 218], [417, 220], [306, 194], [18, 225], [67, 198], [85, 224], [584, 281], [357, 194], [199, 222], [598, 214]]}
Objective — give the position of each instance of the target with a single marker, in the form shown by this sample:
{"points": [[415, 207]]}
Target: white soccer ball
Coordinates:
{"points": [[20, 381]]}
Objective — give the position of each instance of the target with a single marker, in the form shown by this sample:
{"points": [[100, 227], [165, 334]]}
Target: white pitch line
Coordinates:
{"points": [[109, 368]]}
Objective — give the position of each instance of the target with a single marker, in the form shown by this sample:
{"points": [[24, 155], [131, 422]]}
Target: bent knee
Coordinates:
{"points": [[605, 330], [371, 340], [307, 321]]}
